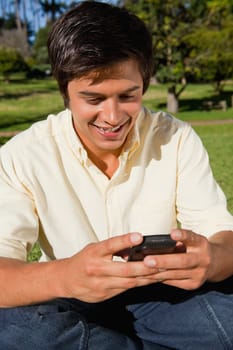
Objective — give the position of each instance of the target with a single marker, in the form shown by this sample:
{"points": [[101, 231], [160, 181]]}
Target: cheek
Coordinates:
{"points": [[134, 108], [81, 112]]}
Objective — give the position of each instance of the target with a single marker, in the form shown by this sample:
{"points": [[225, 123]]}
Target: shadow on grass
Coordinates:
{"points": [[31, 86], [21, 120], [3, 140], [15, 96], [202, 104]]}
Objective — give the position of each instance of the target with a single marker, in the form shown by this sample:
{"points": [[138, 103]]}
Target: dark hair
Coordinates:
{"points": [[93, 36]]}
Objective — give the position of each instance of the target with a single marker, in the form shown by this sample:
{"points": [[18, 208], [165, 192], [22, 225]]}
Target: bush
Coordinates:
{"points": [[11, 62]]}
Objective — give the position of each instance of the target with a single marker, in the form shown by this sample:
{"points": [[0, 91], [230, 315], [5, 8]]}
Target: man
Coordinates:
{"points": [[87, 183]]}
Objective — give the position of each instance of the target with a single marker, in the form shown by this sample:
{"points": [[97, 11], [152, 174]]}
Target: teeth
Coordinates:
{"points": [[115, 128]]}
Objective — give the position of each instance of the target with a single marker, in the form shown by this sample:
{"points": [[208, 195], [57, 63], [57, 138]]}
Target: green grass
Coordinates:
{"points": [[35, 253], [3, 140], [218, 140], [191, 101], [23, 102]]}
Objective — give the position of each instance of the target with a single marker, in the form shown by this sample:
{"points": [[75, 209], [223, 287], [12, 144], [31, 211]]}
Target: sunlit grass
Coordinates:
{"points": [[218, 140], [21, 104], [191, 101]]}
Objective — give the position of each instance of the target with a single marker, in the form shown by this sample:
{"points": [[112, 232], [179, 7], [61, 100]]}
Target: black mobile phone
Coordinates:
{"points": [[152, 245]]}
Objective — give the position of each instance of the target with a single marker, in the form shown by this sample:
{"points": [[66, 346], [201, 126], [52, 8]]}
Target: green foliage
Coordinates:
{"points": [[168, 22], [40, 45], [192, 39], [10, 62], [8, 22], [53, 8], [212, 44]]}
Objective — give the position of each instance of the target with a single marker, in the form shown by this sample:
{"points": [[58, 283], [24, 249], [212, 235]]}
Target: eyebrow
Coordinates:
{"points": [[92, 93]]}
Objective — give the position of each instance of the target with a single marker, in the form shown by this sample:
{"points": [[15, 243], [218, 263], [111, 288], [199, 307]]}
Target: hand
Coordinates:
{"points": [[188, 270], [92, 276]]}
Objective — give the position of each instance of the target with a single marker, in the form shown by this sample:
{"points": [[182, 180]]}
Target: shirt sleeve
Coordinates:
{"points": [[18, 219], [201, 204]]}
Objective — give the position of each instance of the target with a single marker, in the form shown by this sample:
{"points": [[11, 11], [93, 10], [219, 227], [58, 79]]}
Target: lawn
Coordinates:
{"points": [[23, 102], [192, 101], [191, 104], [218, 139]]}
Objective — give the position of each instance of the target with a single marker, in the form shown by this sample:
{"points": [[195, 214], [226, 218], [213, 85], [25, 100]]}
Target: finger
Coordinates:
{"points": [[124, 269], [188, 238], [170, 275], [171, 261], [181, 279], [113, 245], [187, 284]]}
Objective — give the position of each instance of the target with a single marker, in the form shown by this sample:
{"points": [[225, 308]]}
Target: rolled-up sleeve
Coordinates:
{"points": [[18, 218], [201, 204]]}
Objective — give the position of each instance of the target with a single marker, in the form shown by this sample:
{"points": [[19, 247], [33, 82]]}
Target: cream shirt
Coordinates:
{"points": [[50, 191]]}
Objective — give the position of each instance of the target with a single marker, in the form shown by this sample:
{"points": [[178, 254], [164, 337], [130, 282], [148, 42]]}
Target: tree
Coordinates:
{"points": [[52, 8], [17, 15], [13, 31], [212, 44], [26, 15], [169, 21], [10, 62], [40, 45]]}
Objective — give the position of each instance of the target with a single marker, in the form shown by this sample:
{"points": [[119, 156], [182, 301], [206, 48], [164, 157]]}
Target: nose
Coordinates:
{"points": [[112, 113]]}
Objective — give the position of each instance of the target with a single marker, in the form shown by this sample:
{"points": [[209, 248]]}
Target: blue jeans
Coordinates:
{"points": [[154, 317]]}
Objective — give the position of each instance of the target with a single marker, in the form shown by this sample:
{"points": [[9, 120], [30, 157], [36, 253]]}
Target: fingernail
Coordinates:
{"points": [[150, 262], [135, 237], [177, 234]]}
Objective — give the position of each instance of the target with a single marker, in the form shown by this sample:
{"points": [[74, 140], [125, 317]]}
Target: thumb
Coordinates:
{"points": [[187, 237], [116, 244]]}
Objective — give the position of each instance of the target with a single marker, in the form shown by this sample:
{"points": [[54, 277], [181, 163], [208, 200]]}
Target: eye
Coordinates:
{"points": [[126, 97], [94, 100]]}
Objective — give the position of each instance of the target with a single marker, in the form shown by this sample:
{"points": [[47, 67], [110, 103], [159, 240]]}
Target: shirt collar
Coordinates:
{"points": [[133, 139], [75, 141]]}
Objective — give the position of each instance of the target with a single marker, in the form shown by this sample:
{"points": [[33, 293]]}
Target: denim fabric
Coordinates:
{"points": [[183, 320], [42, 327], [204, 322], [58, 325], [150, 318]]}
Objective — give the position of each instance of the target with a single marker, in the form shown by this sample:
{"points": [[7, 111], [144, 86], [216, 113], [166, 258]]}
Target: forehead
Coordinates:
{"points": [[113, 71]]}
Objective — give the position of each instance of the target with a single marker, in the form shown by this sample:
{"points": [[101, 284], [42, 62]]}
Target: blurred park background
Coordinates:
{"points": [[193, 76]]}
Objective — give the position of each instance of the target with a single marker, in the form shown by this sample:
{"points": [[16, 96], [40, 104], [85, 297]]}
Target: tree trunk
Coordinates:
{"points": [[17, 15], [172, 100]]}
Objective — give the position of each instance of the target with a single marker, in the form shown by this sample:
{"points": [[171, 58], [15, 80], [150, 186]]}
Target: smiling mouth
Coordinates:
{"points": [[107, 130]]}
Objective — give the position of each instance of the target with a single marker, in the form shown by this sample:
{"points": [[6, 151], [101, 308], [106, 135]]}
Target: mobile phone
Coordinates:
{"points": [[152, 245]]}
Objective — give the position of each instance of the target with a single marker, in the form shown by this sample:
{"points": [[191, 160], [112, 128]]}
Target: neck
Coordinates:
{"points": [[106, 162]]}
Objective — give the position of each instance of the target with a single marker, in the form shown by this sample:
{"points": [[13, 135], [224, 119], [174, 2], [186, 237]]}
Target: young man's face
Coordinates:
{"points": [[105, 110]]}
